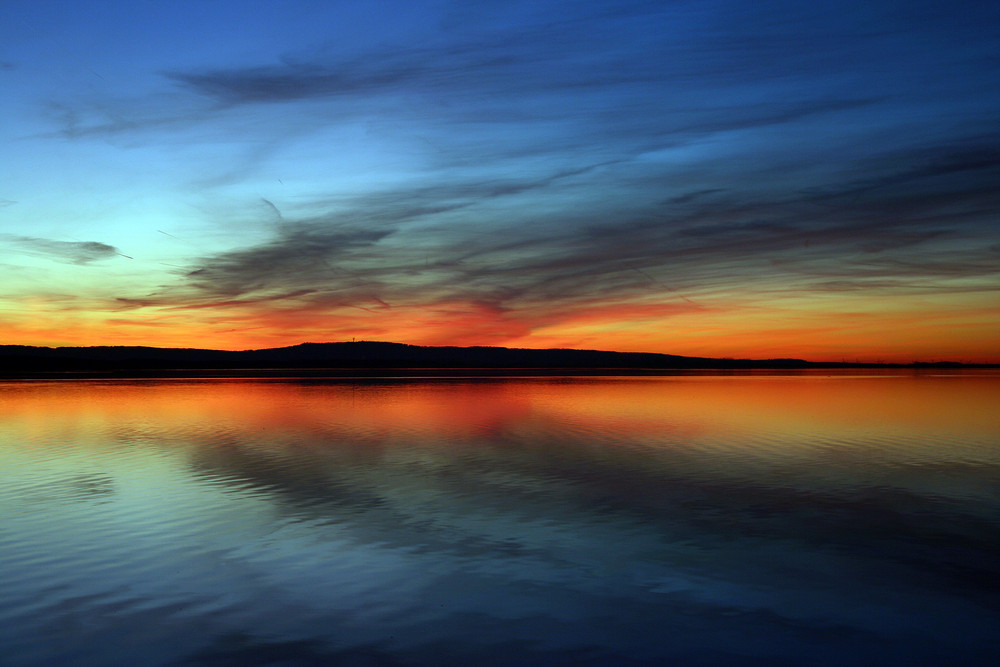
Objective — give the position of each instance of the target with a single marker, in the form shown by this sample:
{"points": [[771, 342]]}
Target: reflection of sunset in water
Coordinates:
{"points": [[454, 516], [637, 406]]}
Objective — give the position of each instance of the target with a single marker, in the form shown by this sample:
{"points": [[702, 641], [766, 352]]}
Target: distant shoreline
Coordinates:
{"points": [[460, 375], [378, 359]]}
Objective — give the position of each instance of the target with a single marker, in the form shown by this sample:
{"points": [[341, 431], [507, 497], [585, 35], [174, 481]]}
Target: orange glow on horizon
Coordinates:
{"points": [[681, 328]]}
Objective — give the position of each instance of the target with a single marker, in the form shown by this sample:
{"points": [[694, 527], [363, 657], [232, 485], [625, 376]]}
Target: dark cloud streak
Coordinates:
{"points": [[73, 252], [640, 152], [388, 247]]}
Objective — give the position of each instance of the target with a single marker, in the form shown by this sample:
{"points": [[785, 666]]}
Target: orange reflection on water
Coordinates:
{"points": [[839, 401], [694, 407]]}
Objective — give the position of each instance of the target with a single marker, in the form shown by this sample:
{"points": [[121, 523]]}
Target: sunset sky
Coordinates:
{"points": [[743, 179]]}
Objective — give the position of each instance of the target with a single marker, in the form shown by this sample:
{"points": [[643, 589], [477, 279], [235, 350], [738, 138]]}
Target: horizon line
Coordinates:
{"points": [[786, 359]]}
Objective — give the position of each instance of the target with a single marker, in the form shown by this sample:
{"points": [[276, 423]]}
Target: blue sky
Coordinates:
{"points": [[724, 178]]}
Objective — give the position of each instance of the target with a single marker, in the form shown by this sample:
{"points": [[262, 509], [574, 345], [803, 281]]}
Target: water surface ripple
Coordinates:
{"points": [[697, 520]]}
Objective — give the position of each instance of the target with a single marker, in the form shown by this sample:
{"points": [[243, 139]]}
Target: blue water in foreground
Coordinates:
{"points": [[691, 520]]}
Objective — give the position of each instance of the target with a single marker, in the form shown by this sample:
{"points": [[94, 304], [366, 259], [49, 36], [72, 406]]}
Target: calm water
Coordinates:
{"points": [[540, 521]]}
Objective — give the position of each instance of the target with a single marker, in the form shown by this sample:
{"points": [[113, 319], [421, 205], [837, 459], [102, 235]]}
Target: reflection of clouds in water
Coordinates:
{"points": [[597, 516], [324, 523], [91, 485], [82, 487]]}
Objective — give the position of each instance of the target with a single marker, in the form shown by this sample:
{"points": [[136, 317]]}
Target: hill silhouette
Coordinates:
{"points": [[29, 361]]}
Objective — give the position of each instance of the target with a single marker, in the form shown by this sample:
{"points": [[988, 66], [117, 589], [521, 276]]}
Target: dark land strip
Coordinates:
{"points": [[379, 359]]}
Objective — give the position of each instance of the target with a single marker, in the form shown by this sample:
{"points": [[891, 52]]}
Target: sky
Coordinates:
{"points": [[817, 180]]}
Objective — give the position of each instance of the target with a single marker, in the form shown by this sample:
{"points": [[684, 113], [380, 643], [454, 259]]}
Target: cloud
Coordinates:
{"points": [[963, 164], [481, 242], [596, 68], [302, 251], [646, 158], [280, 83], [73, 252]]}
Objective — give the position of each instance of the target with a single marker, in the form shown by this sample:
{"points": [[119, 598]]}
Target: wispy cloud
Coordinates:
{"points": [[595, 68], [374, 251], [503, 167], [73, 252]]}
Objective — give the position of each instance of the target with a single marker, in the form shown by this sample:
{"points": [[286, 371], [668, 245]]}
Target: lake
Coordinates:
{"points": [[743, 519]]}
